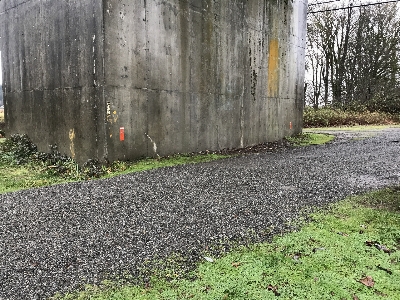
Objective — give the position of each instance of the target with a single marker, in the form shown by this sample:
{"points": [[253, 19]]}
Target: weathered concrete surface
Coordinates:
{"points": [[178, 76], [51, 90]]}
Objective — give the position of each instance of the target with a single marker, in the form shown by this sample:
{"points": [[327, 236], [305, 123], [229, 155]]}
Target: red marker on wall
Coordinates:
{"points": [[290, 125], [121, 134]]}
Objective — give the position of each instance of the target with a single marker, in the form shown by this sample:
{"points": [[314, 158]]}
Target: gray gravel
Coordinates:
{"points": [[57, 238]]}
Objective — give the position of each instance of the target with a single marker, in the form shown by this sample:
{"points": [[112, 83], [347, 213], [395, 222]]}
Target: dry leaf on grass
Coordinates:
{"points": [[274, 289], [367, 281], [343, 234], [236, 264], [209, 259], [378, 246]]}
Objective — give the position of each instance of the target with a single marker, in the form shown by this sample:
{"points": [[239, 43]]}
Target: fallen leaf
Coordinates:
{"points": [[297, 256], [209, 259], [318, 249], [378, 246], [367, 281], [207, 288], [236, 264], [383, 248], [274, 289], [370, 243]]}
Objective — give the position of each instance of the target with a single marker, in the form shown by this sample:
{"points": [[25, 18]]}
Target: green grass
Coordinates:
{"points": [[36, 173], [15, 177], [352, 128], [120, 167], [326, 259], [307, 139]]}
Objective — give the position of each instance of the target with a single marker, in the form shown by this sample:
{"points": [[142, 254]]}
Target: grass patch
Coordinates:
{"points": [[307, 139], [327, 117], [120, 167], [352, 128], [23, 167], [14, 178], [351, 251]]}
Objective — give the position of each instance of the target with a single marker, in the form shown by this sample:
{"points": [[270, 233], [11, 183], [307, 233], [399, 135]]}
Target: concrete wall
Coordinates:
{"points": [[51, 89], [193, 75], [1, 96], [179, 76]]}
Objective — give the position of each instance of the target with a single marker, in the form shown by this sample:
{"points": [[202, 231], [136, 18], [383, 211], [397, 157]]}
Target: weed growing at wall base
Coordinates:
{"points": [[306, 139], [351, 251], [22, 166]]}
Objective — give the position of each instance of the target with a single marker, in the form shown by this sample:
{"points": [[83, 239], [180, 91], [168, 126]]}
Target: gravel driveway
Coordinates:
{"points": [[57, 238]]}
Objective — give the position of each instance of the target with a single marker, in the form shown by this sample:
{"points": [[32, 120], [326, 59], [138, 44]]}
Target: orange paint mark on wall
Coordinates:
{"points": [[273, 68], [122, 134]]}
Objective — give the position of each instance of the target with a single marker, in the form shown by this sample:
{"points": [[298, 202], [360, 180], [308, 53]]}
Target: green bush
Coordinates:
{"points": [[18, 149], [325, 117], [385, 104]]}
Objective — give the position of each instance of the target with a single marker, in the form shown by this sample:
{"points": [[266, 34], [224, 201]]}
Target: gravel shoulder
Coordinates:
{"points": [[59, 238]]}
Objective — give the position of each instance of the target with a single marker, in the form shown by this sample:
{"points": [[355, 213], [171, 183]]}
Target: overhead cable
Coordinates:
{"points": [[319, 3], [352, 6]]}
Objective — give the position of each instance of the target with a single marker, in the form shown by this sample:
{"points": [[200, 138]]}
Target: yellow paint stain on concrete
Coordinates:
{"points": [[273, 68], [72, 142], [112, 118], [115, 118]]}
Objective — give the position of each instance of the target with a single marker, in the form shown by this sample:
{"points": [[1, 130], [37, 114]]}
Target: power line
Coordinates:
{"points": [[352, 6], [318, 3], [15, 6]]}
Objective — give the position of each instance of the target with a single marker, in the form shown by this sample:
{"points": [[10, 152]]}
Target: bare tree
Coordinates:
{"points": [[352, 57], [375, 55]]}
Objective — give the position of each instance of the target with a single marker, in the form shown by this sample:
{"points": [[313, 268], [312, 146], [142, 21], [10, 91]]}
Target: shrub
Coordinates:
{"points": [[19, 149], [327, 116]]}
